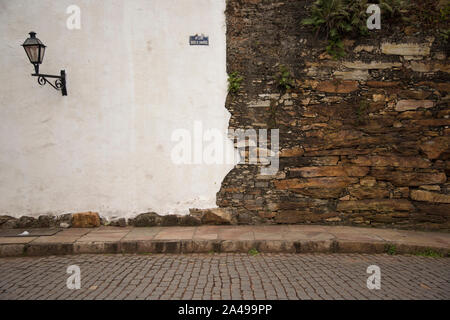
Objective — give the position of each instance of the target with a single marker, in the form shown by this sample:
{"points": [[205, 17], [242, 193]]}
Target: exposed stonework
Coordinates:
{"points": [[352, 75], [373, 65], [377, 205], [85, 220], [196, 217], [420, 195], [363, 141], [43, 221], [215, 216], [436, 147], [432, 66], [405, 105], [337, 86], [406, 49]]}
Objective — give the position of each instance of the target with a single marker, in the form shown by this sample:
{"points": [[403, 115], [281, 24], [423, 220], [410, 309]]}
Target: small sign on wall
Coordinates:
{"points": [[199, 40]]}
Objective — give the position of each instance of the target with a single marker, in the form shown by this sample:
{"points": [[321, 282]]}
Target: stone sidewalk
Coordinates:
{"points": [[207, 239]]}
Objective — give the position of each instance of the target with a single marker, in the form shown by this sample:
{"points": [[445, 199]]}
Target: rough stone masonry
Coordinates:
{"points": [[364, 140]]}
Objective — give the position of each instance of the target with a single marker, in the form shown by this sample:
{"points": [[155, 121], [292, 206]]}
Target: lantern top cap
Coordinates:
{"points": [[32, 40]]}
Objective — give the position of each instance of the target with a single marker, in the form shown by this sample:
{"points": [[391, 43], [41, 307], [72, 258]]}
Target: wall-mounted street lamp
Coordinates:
{"points": [[35, 50]]}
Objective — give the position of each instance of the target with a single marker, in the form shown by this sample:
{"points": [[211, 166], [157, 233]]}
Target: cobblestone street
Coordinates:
{"points": [[226, 276]]}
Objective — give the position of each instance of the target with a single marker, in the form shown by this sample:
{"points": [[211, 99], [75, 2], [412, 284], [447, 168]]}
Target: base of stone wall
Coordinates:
{"points": [[197, 217], [215, 216]]}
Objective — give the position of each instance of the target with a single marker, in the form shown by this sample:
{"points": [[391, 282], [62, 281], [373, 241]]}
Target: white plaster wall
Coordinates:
{"points": [[132, 80]]}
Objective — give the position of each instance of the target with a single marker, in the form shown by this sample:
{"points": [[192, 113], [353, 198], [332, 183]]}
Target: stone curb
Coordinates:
{"points": [[210, 246]]}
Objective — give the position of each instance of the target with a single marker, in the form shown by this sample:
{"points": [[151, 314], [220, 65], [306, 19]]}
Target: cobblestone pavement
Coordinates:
{"points": [[226, 276]]}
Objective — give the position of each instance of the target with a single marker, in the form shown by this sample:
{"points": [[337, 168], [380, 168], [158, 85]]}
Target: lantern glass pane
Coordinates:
{"points": [[41, 58], [33, 53]]}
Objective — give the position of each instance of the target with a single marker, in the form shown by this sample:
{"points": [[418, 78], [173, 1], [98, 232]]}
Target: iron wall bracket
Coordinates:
{"points": [[59, 84]]}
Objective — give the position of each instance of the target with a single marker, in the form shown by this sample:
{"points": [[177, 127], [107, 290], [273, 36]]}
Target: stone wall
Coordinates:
{"points": [[364, 140]]}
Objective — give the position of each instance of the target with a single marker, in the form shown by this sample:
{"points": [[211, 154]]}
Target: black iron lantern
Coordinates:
{"points": [[35, 51]]}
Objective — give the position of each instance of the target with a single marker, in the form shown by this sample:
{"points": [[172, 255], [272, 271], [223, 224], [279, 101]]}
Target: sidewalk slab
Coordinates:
{"points": [[140, 234], [236, 233], [207, 233], [308, 233], [16, 240], [107, 229], [104, 236], [60, 239], [269, 232], [64, 236], [176, 233], [204, 239]]}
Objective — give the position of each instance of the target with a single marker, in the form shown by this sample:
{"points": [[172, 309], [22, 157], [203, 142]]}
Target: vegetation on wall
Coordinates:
{"points": [[391, 8], [335, 20], [432, 14], [284, 78], [445, 34], [284, 81], [234, 82]]}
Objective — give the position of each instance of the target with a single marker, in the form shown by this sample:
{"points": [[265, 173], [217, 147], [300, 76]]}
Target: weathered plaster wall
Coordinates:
{"points": [[364, 141], [132, 80]]}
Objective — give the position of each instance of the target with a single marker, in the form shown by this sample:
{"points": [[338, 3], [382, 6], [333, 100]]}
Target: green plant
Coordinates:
{"points": [[357, 17], [392, 8], [444, 11], [429, 14], [253, 252], [335, 48], [337, 19], [284, 78], [234, 82], [326, 16], [390, 249], [429, 253], [330, 18], [444, 19], [444, 34]]}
